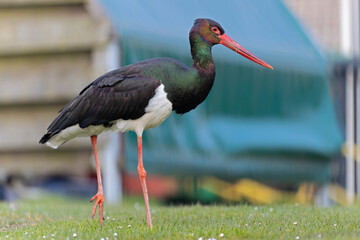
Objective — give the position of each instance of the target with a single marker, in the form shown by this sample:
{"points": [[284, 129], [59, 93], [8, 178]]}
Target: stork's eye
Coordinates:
{"points": [[216, 30]]}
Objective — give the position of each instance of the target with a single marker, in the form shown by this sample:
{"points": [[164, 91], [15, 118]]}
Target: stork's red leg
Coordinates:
{"points": [[142, 175], [100, 194]]}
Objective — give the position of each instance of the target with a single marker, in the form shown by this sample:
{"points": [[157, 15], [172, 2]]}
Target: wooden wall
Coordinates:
{"points": [[49, 51]]}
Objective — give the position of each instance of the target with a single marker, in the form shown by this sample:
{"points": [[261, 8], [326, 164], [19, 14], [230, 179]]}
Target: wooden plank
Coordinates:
{"points": [[52, 78], [27, 3], [22, 128], [44, 164], [49, 29]]}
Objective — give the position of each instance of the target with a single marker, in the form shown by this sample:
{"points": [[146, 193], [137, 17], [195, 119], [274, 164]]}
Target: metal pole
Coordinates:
{"points": [[350, 164], [346, 27], [111, 154], [357, 137], [356, 56], [348, 12], [355, 28]]}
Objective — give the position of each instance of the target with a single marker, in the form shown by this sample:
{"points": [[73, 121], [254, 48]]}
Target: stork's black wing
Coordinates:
{"points": [[120, 94]]}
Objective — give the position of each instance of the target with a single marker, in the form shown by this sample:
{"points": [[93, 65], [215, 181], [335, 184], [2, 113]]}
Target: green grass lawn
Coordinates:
{"points": [[58, 218]]}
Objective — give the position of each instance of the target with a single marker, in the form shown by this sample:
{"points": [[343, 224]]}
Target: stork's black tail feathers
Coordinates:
{"points": [[45, 138], [62, 121]]}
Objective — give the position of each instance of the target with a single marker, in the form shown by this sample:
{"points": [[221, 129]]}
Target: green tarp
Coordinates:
{"points": [[276, 125]]}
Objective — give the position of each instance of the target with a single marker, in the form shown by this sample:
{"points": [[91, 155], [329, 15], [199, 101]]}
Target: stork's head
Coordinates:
{"points": [[212, 33]]}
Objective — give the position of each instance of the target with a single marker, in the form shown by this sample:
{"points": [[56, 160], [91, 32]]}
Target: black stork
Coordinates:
{"points": [[141, 96]]}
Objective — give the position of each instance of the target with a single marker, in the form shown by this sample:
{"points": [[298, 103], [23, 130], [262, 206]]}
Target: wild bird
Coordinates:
{"points": [[141, 96]]}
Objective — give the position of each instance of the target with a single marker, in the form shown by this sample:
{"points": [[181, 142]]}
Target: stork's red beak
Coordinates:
{"points": [[228, 42]]}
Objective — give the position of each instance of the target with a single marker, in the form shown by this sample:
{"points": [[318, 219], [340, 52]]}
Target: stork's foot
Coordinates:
{"points": [[99, 201]]}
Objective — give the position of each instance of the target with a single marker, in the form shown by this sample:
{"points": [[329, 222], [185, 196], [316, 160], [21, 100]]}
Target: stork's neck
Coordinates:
{"points": [[201, 55], [196, 83], [188, 88]]}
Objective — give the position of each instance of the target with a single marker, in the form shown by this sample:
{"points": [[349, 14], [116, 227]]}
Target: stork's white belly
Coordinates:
{"points": [[157, 110]]}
